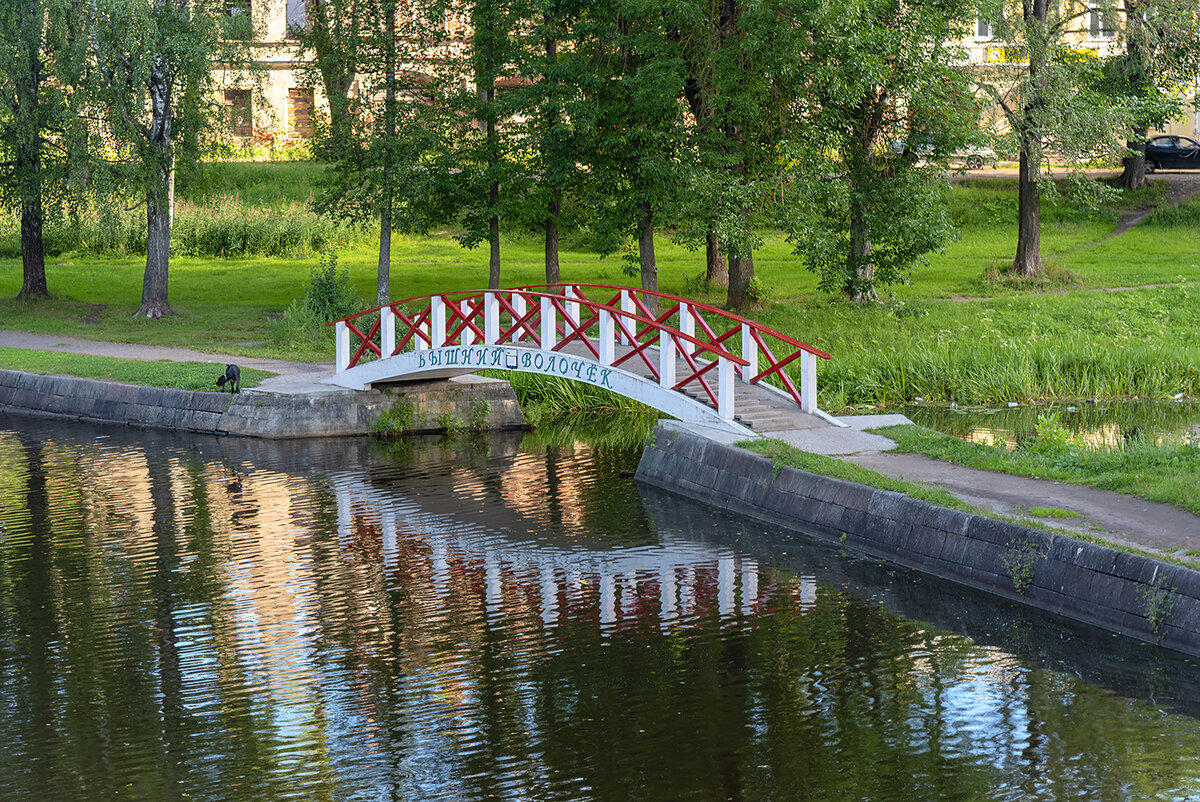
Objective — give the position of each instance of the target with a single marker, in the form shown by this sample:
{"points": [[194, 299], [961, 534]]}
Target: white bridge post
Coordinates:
{"points": [[387, 332], [808, 382], [467, 336], [572, 309], [437, 322], [666, 359], [342, 356], [518, 305], [749, 353], [628, 307], [606, 340], [548, 327], [491, 318], [725, 391]]}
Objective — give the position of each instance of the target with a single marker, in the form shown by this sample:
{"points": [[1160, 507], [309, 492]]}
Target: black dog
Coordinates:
{"points": [[232, 377]]}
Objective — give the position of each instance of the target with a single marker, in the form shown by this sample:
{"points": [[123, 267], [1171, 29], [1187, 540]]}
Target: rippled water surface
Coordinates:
{"points": [[206, 618]]}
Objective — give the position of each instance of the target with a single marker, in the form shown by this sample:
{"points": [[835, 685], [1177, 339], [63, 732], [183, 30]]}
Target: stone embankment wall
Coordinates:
{"points": [[419, 406], [1118, 591]]}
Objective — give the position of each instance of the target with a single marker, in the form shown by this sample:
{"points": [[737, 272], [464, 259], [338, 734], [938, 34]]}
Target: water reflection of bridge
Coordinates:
{"points": [[688, 577]]}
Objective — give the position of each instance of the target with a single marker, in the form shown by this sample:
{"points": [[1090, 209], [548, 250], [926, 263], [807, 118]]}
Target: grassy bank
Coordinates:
{"points": [[1167, 472], [1120, 318], [177, 375]]}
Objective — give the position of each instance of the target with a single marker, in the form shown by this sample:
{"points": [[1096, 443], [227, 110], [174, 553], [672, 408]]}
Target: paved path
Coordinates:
{"points": [[1114, 517], [291, 377]]}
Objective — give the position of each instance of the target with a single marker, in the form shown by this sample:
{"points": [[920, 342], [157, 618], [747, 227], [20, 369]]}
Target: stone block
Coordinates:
{"points": [[829, 515], [926, 542], [946, 519], [801, 483], [886, 504], [855, 522], [854, 496], [1077, 581], [889, 535], [1048, 573], [1098, 558]]}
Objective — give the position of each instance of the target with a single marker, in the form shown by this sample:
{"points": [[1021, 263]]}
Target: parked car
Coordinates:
{"points": [[1170, 152], [973, 155]]}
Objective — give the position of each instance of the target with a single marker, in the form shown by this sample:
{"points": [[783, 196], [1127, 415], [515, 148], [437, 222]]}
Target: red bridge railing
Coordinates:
{"points": [[679, 342]]}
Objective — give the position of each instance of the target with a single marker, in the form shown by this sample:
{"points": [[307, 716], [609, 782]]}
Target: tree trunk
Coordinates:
{"points": [[649, 268], [1134, 174], [158, 212], [860, 279], [716, 266], [741, 272], [383, 276], [554, 205], [29, 175], [1028, 261], [553, 208], [154, 282], [33, 260], [494, 239]]}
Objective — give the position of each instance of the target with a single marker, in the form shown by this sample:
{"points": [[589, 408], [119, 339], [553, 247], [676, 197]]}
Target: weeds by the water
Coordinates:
{"points": [[1167, 472], [625, 430]]}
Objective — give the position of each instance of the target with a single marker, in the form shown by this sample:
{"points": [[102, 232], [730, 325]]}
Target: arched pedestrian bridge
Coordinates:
{"points": [[696, 362]]}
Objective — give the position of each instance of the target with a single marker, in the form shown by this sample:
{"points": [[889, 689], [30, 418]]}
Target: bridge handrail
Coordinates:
{"points": [[725, 313], [466, 295]]}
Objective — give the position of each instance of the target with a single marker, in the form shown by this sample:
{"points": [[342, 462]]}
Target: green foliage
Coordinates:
{"points": [[396, 419], [1051, 439], [1020, 561], [478, 420], [865, 211], [1158, 602], [328, 293], [1051, 512], [450, 424], [327, 296]]}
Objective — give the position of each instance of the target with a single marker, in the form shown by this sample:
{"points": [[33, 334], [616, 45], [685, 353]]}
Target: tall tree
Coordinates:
{"points": [[881, 103], [1047, 88], [1159, 53], [40, 66], [632, 122], [548, 133], [379, 141], [155, 89], [733, 95]]}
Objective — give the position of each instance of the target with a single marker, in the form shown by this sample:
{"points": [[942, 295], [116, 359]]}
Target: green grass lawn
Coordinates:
{"points": [[163, 373], [1072, 339]]}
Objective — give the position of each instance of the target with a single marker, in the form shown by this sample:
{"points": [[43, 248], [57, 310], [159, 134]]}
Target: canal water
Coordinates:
{"points": [[1092, 424], [224, 618]]}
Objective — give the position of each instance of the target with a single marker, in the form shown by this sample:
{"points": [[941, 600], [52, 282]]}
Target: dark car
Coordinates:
{"points": [[1172, 153]]}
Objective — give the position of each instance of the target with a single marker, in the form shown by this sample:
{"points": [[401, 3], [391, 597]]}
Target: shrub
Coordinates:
{"points": [[327, 296]]}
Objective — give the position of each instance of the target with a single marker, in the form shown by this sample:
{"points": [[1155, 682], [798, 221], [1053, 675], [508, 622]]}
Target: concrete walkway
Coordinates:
{"points": [[1113, 517], [292, 378]]}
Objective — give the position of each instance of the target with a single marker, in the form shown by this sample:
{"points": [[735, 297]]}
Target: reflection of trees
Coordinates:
{"points": [[152, 643]]}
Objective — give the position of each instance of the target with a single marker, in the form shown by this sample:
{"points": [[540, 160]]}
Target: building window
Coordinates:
{"points": [[239, 24], [300, 113], [1099, 24], [241, 112], [983, 29], [297, 17]]}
